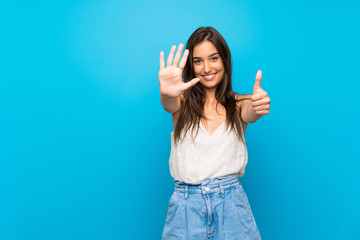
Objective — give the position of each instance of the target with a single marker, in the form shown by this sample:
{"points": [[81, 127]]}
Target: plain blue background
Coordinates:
{"points": [[85, 142]]}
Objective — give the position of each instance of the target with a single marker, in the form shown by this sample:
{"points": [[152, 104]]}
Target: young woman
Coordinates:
{"points": [[208, 150]]}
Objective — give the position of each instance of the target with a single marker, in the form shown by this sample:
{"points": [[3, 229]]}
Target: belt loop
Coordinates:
{"points": [[222, 190], [186, 191]]}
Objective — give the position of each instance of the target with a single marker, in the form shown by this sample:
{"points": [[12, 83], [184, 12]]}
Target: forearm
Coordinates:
{"points": [[170, 104]]}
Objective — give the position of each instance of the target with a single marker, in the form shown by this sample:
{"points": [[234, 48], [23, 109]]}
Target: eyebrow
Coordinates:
{"points": [[209, 55]]}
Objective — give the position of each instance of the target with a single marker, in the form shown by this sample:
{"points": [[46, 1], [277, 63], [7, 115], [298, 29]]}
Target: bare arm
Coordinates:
{"points": [[170, 104]]}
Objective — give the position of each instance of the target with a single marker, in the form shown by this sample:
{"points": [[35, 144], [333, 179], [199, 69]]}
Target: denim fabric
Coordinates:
{"points": [[216, 208]]}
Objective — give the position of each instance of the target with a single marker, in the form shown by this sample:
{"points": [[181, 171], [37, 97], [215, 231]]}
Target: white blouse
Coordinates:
{"points": [[216, 155]]}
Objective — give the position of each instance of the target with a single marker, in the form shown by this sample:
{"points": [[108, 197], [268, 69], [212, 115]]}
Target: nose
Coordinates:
{"points": [[207, 68]]}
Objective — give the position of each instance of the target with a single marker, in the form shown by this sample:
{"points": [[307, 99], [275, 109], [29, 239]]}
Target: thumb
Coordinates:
{"points": [[258, 80], [191, 83]]}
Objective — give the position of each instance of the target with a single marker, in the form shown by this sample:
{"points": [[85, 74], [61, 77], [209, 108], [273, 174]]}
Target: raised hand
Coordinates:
{"points": [[260, 100], [170, 77]]}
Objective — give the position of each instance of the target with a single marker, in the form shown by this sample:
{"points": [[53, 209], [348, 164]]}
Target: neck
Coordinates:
{"points": [[210, 94]]}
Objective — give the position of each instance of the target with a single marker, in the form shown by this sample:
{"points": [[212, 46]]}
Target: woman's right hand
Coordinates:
{"points": [[170, 77]]}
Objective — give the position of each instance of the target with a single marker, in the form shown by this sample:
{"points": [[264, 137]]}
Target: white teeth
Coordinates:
{"points": [[209, 77]]}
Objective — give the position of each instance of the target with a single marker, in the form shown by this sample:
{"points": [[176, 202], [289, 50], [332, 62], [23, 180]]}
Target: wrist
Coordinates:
{"points": [[167, 95]]}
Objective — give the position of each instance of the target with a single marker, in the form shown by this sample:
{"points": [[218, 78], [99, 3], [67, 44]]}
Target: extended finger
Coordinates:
{"points": [[258, 79], [184, 59], [178, 54], [171, 56], [191, 83], [162, 62]]}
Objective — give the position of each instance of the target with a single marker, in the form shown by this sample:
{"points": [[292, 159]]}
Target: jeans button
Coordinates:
{"points": [[207, 189]]}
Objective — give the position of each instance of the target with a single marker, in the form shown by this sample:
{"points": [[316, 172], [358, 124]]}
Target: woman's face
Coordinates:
{"points": [[207, 63]]}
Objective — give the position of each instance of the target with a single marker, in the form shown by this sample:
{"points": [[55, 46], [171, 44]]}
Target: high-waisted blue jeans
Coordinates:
{"points": [[216, 208]]}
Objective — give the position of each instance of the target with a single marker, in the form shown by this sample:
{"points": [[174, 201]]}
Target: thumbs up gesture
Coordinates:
{"points": [[260, 100]]}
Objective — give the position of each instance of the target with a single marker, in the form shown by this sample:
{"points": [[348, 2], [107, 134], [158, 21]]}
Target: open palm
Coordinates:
{"points": [[170, 77]]}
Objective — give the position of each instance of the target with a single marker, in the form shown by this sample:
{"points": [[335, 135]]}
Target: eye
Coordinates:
{"points": [[197, 61], [214, 58]]}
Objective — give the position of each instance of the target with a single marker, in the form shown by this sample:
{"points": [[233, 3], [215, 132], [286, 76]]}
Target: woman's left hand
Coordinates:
{"points": [[260, 100]]}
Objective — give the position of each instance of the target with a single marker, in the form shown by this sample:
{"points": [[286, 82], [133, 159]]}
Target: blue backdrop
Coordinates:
{"points": [[85, 142]]}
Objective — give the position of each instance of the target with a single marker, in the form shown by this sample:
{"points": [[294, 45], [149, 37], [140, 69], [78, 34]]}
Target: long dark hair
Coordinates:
{"points": [[192, 109]]}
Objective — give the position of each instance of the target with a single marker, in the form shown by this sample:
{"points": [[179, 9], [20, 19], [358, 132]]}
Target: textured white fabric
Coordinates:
{"points": [[216, 155]]}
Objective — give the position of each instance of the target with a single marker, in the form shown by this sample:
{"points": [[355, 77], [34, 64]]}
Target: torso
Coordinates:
{"points": [[211, 152], [215, 117]]}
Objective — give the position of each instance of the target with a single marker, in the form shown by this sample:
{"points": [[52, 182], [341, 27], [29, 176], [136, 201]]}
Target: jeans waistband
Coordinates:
{"points": [[209, 185]]}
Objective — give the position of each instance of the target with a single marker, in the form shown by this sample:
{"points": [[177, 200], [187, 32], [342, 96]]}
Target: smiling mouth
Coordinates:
{"points": [[209, 77]]}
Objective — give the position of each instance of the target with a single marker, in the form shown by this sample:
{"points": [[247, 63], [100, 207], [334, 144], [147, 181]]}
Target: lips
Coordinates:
{"points": [[209, 77]]}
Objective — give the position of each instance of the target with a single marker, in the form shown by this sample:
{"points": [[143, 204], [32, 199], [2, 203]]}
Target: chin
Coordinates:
{"points": [[208, 85]]}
